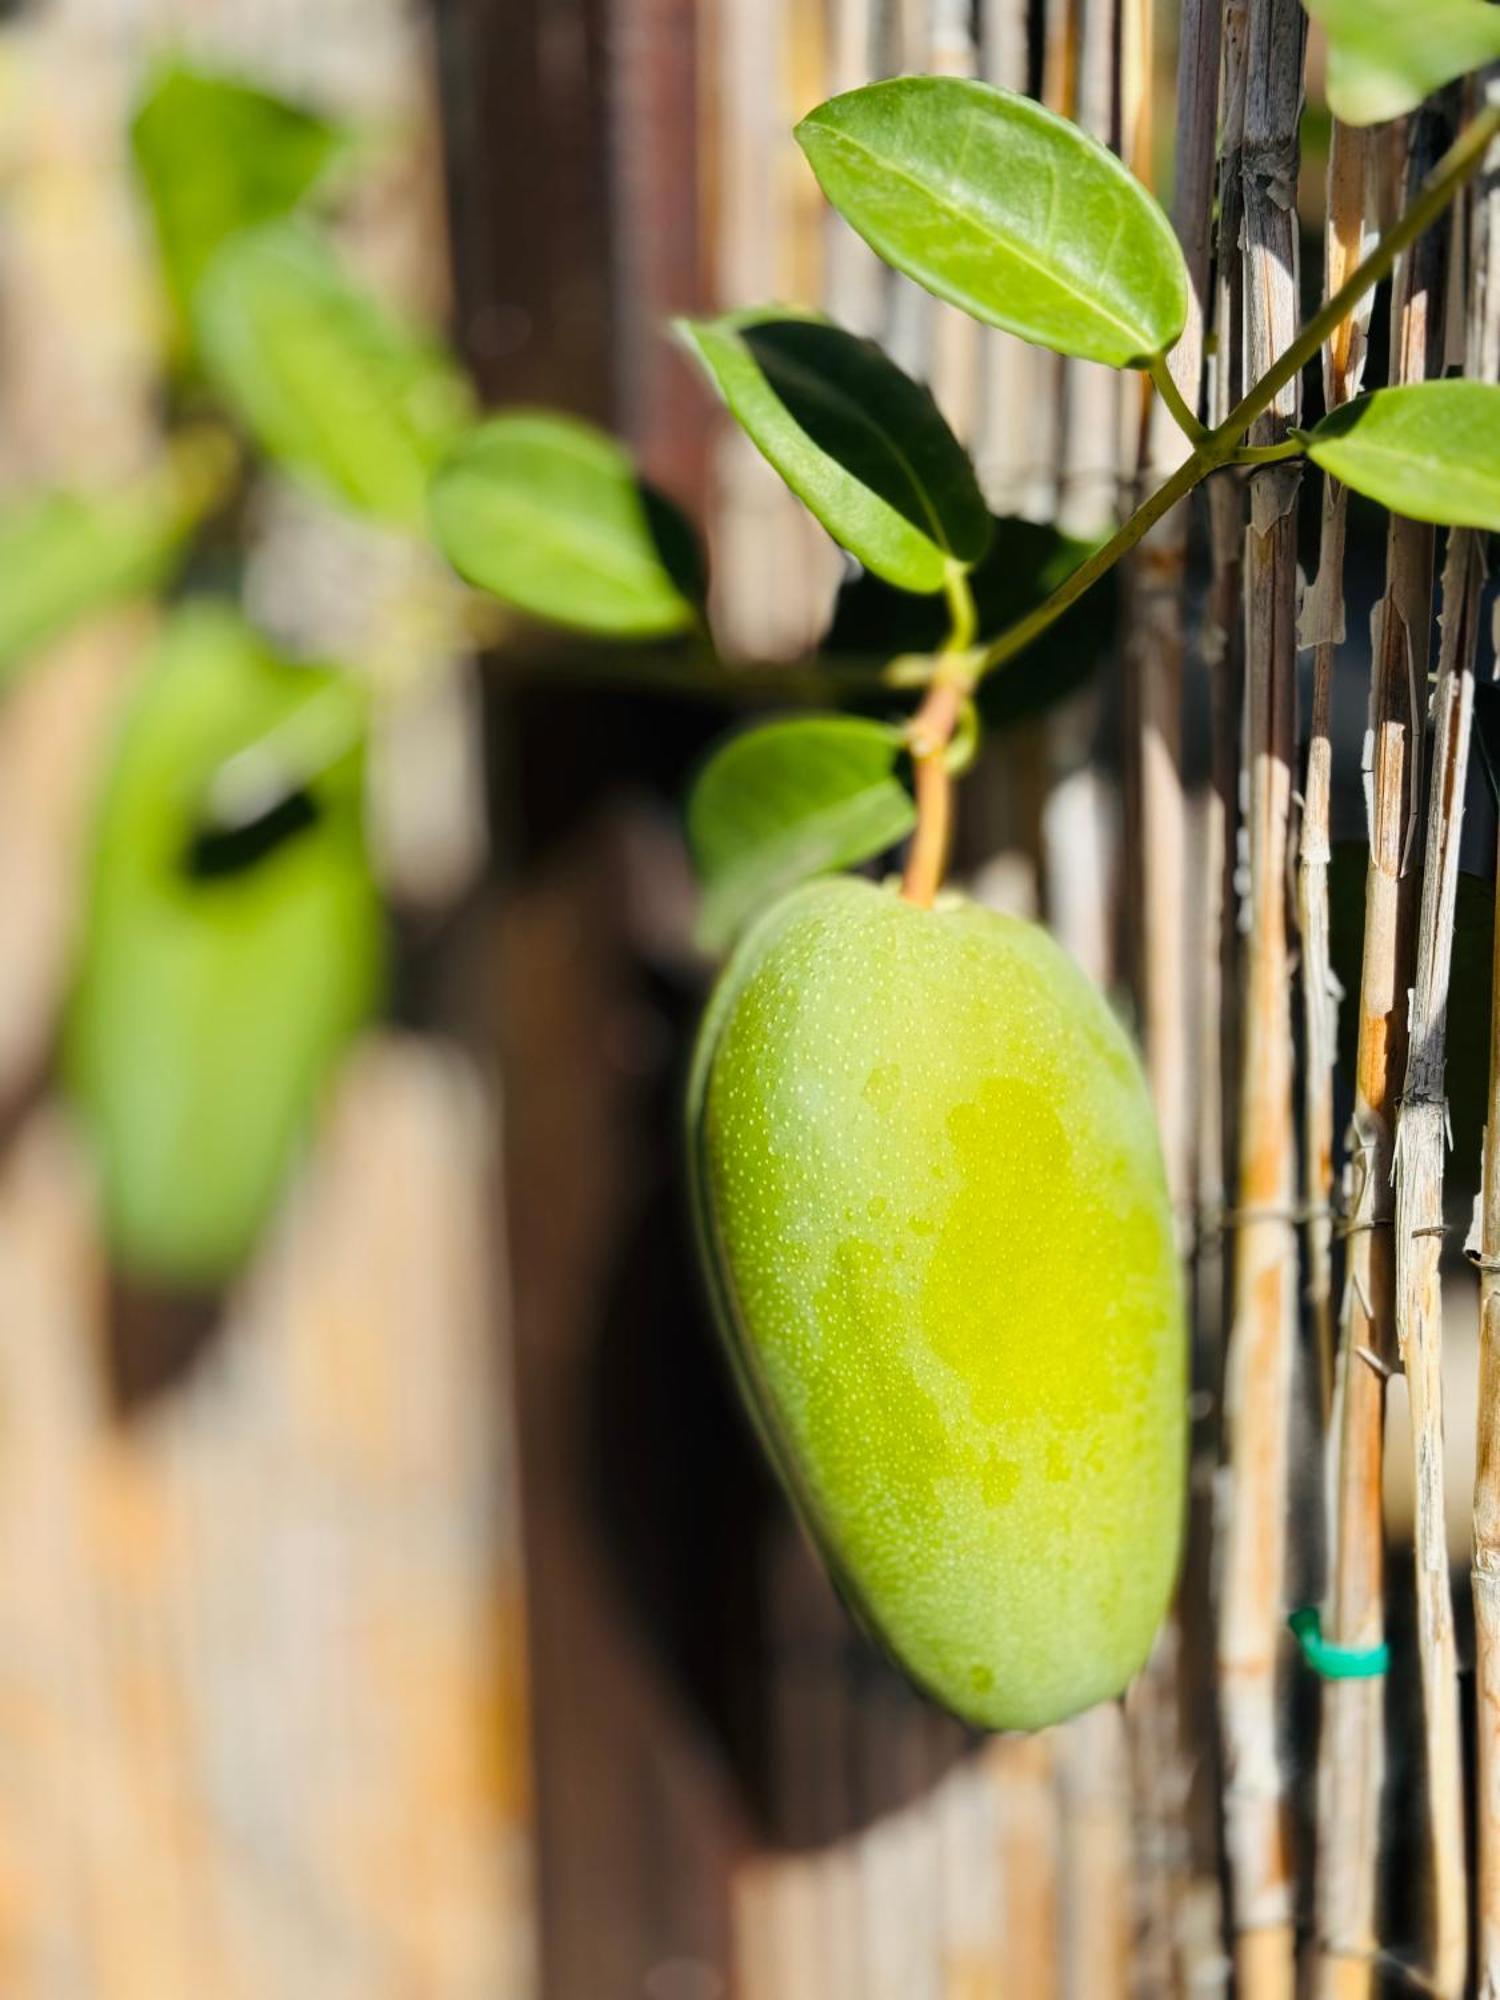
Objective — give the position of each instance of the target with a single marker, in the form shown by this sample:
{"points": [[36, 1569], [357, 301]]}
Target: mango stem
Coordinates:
{"points": [[928, 736]]}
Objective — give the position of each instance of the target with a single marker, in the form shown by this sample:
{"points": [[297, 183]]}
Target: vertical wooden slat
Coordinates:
{"points": [[1352, 1749], [1016, 446], [1262, 1338], [1483, 360], [1421, 1140]]}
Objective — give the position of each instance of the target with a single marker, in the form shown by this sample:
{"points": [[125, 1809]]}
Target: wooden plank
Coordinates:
{"points": [[262, 1707]]}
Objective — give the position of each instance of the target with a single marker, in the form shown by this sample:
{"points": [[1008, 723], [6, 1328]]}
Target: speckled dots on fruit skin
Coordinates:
{"points": [[933, 1211]]}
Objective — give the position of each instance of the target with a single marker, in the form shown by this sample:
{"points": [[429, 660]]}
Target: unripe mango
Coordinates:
{"points": [[932, 1209]]}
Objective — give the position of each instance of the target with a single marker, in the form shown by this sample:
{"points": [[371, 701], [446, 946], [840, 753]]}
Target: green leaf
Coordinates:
{"points": [[1005, 209], [1385, 56], [787, 801], [864, 447], [217, 156], [328, 384], [224, 967], [549, 515], [1024, 564], [67, 556], [1430, 451]]}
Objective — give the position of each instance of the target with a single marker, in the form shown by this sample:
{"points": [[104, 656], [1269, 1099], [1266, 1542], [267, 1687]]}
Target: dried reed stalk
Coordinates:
{"points": [[1353, 1754], [1421, 1137], [1483, 364], [1263, 1332], [957, 373], [1351, 1746], [1486, 1571], [1348, 236], [1018, 441], [1167, 1701], [1155, 638], [1222, 643]]}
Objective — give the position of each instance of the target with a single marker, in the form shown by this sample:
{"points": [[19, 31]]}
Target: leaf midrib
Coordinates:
{"points": [[837, 393], [1008, 242]]}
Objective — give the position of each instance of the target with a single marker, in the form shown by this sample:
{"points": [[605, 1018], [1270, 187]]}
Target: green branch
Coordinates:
{"points": [[1223, 446]]}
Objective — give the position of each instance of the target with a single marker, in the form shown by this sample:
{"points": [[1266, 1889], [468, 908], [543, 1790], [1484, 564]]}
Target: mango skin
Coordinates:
{"points": [[932, 1209]]}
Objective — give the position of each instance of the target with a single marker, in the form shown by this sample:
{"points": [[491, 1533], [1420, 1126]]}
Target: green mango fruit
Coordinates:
{"points": [[223, 968], [931, 1207]]}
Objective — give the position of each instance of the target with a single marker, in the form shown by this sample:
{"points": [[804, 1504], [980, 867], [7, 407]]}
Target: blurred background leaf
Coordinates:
{"points": [[216, 156], [332, 387], [548, 514], [65, 556], [225, 964]]}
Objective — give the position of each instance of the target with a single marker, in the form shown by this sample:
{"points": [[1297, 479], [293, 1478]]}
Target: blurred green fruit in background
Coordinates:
{"points": [[233, 944]]}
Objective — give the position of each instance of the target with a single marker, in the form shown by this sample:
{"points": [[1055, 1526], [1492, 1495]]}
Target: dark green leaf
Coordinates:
{"points": [[224, 966], [217, 156], [1430, 451], [861, 445], [549, 514], [65, 556], [1385, 56], [323, 378], [787, 801], [1007, 210], [1024, 564]]}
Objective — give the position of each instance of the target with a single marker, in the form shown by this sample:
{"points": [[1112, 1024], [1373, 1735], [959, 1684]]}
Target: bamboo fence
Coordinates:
{"points": [[377, 1699]]}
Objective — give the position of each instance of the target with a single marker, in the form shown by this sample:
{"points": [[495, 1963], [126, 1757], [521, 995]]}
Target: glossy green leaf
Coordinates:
{"points": [[225, 963], [1385, 56], [787, 801], [1430, 451], [1024, 564], [549, 515], [217, 156], [864, 447], [66, 556], [1005, 209], [329, 384]]}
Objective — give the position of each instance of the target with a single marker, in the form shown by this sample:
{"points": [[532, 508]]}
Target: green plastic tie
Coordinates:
{"points": [[1335, 1663]]}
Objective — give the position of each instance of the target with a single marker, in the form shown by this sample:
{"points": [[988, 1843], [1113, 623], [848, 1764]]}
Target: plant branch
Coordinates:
{"points": [[1221, 446], [1186, 419], [928, 736], [1267, 454]]}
